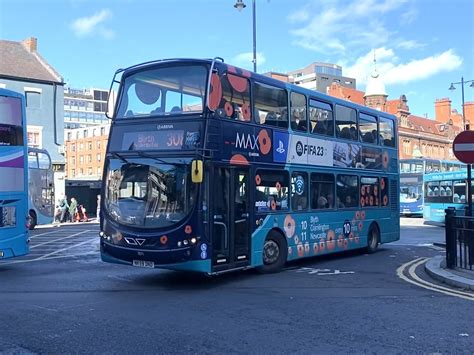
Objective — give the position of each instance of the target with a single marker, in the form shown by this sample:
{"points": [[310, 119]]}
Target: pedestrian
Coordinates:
{"points": [[98, 208], [73, 209], [63, 205]]}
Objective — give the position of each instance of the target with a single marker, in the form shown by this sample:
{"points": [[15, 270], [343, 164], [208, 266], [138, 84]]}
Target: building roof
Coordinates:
{"points": [[426, 125], [343, 92], [375, 85], [21, 60]]}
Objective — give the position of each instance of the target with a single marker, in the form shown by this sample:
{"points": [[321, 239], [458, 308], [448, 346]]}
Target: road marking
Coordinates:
{"points": [[412, 265], [322, 272], [59, 239], [64, 249], [50, 258], [37, 235]]}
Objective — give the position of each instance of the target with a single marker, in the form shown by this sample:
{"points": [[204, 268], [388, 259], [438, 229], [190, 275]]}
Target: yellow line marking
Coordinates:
{"points": [[412, 265]]}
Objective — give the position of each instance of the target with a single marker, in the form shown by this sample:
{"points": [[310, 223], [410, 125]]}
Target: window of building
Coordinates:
{"points": [[33, 99], [69, 136], [81, 146], [73, 172], [99, 171], [369, 191], [406, 146], [81, 171], [368, 128], [321, 118], [81, 159], [387, 132], [85, 132], [89, 158], [346, 123], [102, 131], [235, 102], [298, 112], [299, 191], [271, 190], [98, 157], [322, 191], [97, 144], [89, 170], [73, 147], [347, 191], [271, 105], [89, 145], [73, 160]]}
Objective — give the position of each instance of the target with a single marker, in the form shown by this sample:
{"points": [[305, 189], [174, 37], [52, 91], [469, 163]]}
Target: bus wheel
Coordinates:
{"points": [[275, 253], [373, 239], [32, 220]]}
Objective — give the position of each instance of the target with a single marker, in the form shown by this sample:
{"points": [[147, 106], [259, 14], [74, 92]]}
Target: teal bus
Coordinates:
{"points": [[443, 190], [213, 168], [40, 187], [411, 181], [14, 176]]}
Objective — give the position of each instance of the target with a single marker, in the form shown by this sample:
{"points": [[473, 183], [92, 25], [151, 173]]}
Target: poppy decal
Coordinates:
{"points": [[300, 250], [361, 225], [246, 112], [229, 109], [216, 92], [163, 239], [231, 69], [322, 246], [371, 200], [290, 226], [306, 248], [330, 240], [351, 237], [362, 190], [264, 142], [258, 180], [188, 229], [340, 241], [356, 239], [382, 184], [376, 190], [239, 159], [362, 202], [362, 215], [278, 186], [246, 73], [238, 83], [345, 244], [315, 248], [385, 200], [273, 205], [385, 160], [296, 239], [357, 214]]}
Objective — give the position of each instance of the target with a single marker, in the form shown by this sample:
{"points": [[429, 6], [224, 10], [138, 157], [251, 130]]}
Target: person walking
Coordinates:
{"points": [[64, 209], [73, 209]]}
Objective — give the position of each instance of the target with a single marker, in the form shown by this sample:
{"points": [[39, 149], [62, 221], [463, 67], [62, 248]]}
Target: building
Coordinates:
{"points": [[418, 136], [85, 107], [85, 152], [25, 71], [319, 76]]}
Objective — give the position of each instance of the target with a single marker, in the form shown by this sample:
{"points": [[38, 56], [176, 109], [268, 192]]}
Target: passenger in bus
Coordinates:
{"points": [[322, 202]]}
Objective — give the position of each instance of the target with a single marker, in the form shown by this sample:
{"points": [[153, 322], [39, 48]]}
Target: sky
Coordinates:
{"points": [[421, 46]]}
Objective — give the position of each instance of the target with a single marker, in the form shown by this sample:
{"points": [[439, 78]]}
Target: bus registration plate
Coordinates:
{"points": [[144, 263]]}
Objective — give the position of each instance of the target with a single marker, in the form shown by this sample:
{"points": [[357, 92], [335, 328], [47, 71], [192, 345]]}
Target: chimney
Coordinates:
{"points": [[31, 44], [443, 110], [469, 112]]}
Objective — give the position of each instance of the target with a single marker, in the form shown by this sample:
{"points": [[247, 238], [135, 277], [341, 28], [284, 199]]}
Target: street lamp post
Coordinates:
{"points": [[466, 127], [239, 5]]}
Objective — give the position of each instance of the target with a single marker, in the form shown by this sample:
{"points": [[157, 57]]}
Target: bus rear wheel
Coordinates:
{"points": [[32, 220], [373, 239], [274, 253]]}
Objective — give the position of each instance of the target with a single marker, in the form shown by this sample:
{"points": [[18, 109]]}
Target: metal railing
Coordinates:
{"points": [[459, 241]]}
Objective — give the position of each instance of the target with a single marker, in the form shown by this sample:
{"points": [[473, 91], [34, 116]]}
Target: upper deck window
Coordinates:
{"points": [[235, 103], [271, 105], [368, 128], [387, 132], [170, 90], [346, 123], [320, 115], [298, 112], [11, 132]]}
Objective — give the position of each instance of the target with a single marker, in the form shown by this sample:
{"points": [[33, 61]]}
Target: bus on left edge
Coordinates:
{"points": [[14, 176]]}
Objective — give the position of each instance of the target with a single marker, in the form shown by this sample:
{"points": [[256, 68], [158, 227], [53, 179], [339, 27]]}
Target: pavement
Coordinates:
{"points": [[461, 278]]}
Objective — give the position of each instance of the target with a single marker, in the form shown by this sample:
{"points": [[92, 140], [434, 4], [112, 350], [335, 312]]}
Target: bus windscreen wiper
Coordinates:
{"points": [[119, 156]]}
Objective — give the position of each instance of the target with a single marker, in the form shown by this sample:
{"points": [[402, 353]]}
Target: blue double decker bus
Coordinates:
{"points": [[411, 181], [14, 175], [212, 168]]}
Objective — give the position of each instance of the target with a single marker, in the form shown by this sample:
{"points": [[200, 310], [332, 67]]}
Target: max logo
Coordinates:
{"points": [[261, 142]]}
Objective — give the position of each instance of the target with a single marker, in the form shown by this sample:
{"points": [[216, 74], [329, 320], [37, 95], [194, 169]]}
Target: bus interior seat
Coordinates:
{"points": [[176, 109], [345, 133]]}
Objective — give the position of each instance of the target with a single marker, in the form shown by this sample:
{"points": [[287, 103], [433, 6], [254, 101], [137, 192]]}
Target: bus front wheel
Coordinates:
{"points": [[274, 253], [32, 220], [373, 239]]}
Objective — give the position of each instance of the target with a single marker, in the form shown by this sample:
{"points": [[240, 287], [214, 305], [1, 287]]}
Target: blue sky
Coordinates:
{"points": [[421, 45]]}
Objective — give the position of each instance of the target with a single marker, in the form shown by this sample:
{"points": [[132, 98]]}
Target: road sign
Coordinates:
{"points": [[463, 147]]}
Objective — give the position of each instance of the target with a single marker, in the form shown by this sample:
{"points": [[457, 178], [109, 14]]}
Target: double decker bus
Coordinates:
{"points": [[40, 187], [443, 190], [212, 168], [411, 181], [13, 175]]}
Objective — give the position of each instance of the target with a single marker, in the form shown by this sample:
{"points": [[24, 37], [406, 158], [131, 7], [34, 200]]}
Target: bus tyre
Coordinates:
{"points": [[32, 220], [274, 253], [373, 239]]}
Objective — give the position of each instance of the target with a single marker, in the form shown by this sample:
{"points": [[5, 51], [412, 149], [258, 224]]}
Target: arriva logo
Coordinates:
{"points": [[261, 142]]}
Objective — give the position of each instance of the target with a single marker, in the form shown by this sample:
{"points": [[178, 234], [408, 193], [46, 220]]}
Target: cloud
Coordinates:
{"points": [[86, 26], [394, 72], [409, 16], [339, 25], [410, 44], [244, 60]]}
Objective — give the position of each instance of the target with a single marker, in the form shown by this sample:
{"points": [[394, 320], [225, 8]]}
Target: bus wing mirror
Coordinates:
{"points": [[196, 171]]}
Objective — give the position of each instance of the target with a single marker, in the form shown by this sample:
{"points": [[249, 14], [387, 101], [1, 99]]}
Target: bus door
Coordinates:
{"points": [[230, 218]]}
